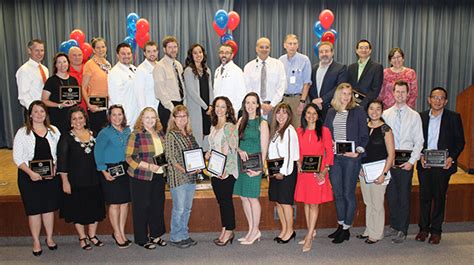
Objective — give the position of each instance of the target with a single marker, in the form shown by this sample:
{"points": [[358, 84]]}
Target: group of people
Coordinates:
{"points": [[281, 109]]}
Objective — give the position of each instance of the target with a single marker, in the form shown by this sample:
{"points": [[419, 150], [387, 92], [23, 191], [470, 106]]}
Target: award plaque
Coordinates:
{"points": [[274, 165], [160, 160], [193, 160], [69, 93], [43, 167], [254, 162], [344, 146], [311, 164], [358, 96], [435, 158], [116, 171], [402, 156], [100, 102], [216, 164]]}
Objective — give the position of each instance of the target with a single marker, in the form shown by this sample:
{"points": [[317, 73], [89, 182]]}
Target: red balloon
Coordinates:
{"points": [[142, 26], [143, 39], [218, 30], [328, 36], [234, 46], [234, 20], [78, 35], [326, 17], [86, 49]]}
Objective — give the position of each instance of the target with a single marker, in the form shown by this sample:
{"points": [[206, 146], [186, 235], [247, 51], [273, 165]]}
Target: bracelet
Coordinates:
{"points": [[302, 100], [60, 106]]}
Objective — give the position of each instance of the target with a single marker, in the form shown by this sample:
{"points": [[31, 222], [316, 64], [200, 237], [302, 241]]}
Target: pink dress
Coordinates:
{"points": [[307, 188], [389, 78]]}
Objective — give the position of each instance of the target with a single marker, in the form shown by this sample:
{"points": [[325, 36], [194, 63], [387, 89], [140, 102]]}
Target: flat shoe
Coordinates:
{"points": [[368, 241], [361, 236]]}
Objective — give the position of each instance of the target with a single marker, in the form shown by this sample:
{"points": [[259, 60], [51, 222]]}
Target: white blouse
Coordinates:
{"points": [[24, 145], [280, 148]]}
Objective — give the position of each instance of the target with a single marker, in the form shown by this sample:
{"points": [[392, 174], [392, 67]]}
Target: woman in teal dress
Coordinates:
{"points": [[253, 138]]}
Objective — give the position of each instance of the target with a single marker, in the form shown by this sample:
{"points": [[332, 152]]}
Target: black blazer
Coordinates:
{"points": [[451, 135], [336, 74], [370, 81]]}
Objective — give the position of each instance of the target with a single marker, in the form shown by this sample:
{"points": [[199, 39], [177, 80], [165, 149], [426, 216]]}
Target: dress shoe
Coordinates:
{"points": [[399, 238], [421, 236], [123, 245], [391, 232], [434, 239], [304, 239], [293, 236], [307, 246], [361, 236], [256, 238], [54, 247], [277, 238], [37, 253], [338, 230], [342, 236], [370, 241], [230, 239]]}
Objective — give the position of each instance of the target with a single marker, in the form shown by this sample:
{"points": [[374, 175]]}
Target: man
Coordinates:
{"points": [[121, 83], [298, 77], [229, 78], [325, 77], [75, 69], [144, 84], [365, 76], [444, 131], [266, 77], [32, 75], [408, 135], [168, 78]]}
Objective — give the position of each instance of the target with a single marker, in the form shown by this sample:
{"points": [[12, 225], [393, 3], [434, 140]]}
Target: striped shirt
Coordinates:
{"points": [[339, 124]]}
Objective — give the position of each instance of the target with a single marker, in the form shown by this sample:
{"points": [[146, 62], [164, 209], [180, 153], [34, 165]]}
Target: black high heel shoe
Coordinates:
{"points": [[222, 244], [37, 253], [124, 245], [293, 236], [51, 247], [277, 238], [98, 243]]}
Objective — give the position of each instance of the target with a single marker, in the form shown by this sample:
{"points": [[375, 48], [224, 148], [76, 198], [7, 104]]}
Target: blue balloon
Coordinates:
{"points": [[318, 29], [64, 47], [72, 43], [226, 37], [221, 18], [131, 30], [335, 34], [132, 18], [316, 49], [131, 41]]}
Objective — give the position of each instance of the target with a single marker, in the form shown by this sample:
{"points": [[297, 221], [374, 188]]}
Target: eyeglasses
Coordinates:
{"points": [[437, 98]]}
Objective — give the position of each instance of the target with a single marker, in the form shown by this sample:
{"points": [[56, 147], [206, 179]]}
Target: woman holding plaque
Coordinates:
{"points": [[283, 150], [40, 193], [253, 136], [223, 138], [55, 89], [380, 148], [147, 182], [313, 187], [94, 84], [83, 201], [109, 155], [347, 122]]}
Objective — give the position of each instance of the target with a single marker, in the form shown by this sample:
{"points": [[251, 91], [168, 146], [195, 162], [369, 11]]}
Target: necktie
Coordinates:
{"points": [[397, 128], [222, 71], [181, 92], [131, 69], [43, 75], [263, 82]]}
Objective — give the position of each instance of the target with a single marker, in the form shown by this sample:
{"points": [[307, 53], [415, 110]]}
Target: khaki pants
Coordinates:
{"points": [[294, 102], [373, 195]]}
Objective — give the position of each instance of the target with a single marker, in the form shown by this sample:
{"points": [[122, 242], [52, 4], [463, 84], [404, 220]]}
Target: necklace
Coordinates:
{"points": [[87, 146], [120, 135], [103, 66]]}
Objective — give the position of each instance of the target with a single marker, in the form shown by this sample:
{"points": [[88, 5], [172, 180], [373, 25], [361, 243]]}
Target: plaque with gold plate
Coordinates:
{"points": [[67, 93], [401, 157], [311, 164], [435, 158], [100, 102], [43, 167]]}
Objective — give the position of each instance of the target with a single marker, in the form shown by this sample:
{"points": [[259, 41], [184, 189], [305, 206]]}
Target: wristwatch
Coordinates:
{"points": [[60, 106], [385, 174]]}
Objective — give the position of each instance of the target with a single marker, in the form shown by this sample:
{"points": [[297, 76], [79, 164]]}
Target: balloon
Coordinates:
{"points": [[218, 30], [328, 36], [335, 34], [64, 47], [78, 35], [226, 38], [131, 41], [131, 30], [86, 49], [318, 29], [234, 46], [72, 43], [326, 17], [143, 39], [316, 48], [221, 18], [142, 26], [132, 18], [234, 20]]}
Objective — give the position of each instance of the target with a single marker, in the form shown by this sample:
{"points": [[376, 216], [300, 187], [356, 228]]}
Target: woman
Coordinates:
{"points": [[83, 202], [313, 189], [179, 138], [147, 182], [58, 110], [94, 83], [37, 140], [396, 72], [380, 147], [223, 138], [197, 80], [253, 136], [283, 145], [109, 155], [347, 122]]}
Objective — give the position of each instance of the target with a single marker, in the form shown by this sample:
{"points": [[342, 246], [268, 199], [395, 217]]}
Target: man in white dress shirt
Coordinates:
{"points": [[121, 83], [408, 135], [229, 79], [144, 84], [265, 76], [32, 75]]}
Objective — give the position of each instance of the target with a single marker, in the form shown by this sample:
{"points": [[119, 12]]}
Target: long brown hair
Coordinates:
{"points": [[190, 61], [172, 126], [139, 124], [275, 124], [229, 115], [109, 114], [29, 120], [245, 115]]}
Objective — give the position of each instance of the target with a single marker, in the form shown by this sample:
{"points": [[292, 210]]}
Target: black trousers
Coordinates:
{"points": [[398, 198], [433, 187], [97, 121], [148, 202], [223, 189], [164, 114]]}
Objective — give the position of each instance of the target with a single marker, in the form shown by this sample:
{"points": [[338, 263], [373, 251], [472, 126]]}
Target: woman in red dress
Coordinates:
{"points": [[313, 188]]}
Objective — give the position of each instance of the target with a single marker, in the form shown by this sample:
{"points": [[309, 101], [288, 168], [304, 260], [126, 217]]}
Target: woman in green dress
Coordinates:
{"points": [[253, 138]]}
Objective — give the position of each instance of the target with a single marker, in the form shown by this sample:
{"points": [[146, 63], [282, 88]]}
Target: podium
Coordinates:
{"points": [[465, 106]]}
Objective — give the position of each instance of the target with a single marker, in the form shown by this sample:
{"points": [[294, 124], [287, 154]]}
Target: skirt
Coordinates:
{"points": [[39, 197], [116, 191], [283, 191], [85, 205]]}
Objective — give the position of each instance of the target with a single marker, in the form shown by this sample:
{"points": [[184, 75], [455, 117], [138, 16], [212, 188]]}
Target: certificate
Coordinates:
{"points": [[216, 164], [274, 165], [193, 160], [69, 93], [373, 170], [311, 164], [358, 96], [344, 146], [254, 162], [435, 158], [160, 160], [100, 102], [43, 167], [116, 171], [402, 156]]}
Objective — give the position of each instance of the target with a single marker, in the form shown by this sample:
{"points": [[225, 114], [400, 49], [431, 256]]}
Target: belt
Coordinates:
{"points": [[292, 95]]}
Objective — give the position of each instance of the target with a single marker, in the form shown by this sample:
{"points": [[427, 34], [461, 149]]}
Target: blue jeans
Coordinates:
{"points": [[343, 175], [182, 197]]}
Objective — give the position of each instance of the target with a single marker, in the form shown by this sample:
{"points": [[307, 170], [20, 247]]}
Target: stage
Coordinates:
{"points": [[205, 214]]}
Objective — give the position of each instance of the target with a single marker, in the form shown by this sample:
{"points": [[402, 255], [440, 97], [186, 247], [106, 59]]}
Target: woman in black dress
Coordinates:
{"points": [[83, 201], [58, 110], [41, 196]]}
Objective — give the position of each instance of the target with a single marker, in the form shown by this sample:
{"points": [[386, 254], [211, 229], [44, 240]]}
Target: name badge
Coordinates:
{"points": [[292, 80]]}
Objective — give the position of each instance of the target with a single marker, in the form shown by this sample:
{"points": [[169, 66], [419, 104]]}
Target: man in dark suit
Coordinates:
{"points": [[443, 130], [365, 76], [325, 77]]}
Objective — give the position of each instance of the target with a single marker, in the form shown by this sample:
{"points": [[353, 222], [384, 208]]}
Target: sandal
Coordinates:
{"points": [[158, 241], [148, 245], [86, 246], [98, 243]]}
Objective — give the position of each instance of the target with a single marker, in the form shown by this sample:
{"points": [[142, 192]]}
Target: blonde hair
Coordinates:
{"points": [[172, 121], [139, 124], [336, 100]]}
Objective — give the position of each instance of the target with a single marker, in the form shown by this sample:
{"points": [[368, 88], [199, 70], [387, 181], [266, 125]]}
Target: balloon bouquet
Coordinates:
{"points": [[77, 39], [138, 31], [222, 22], [322, 29]]}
